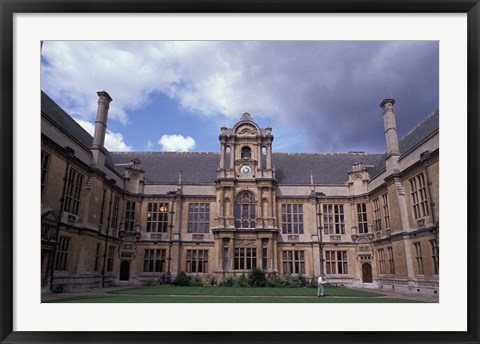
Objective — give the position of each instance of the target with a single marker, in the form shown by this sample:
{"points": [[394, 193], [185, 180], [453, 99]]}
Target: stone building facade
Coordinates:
{"points": [[128, 218]]}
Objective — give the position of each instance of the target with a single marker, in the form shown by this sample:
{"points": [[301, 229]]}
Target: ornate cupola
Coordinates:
{"points": [[246, 151]]}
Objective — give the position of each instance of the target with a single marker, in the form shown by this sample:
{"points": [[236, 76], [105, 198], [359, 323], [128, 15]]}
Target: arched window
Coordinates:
{"points": [[246, 153], [245, 210], [227, 157]]}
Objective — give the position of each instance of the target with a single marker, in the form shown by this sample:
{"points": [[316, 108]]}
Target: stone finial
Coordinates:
{"points": [[246, 117]]}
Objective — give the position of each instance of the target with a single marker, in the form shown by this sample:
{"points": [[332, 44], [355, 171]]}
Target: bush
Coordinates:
{"points": [[257, 278], [165, 279], [230, 281], [196, 281], [243, 282], [303, 281], [182, 279], [312, 283], [209, 281], [293, 282], [277, 282]]}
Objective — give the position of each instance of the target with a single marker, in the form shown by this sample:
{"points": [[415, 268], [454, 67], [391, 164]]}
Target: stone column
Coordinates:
{"points": [[221, 212], [260, 220], [270, 255], [409, 260], [275, 255], [218, 252], [269, 156], [259, 253], [259, 155], [222, 156], [230, 254], [232, 155]]}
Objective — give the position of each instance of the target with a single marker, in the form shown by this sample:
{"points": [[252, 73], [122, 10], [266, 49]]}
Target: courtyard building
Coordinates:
{"points": [[132, 218]]}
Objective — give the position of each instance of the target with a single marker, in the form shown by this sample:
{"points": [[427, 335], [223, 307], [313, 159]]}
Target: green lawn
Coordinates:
{"points": [[225, 299], [230, 291], [170, 294]]}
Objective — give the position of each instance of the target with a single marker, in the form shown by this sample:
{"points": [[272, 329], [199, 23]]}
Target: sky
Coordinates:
{"points": [[318, 96]]}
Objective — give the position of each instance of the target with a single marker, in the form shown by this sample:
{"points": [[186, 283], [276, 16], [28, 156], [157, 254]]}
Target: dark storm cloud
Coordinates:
{"points": [[319, 96], [333, 89]]}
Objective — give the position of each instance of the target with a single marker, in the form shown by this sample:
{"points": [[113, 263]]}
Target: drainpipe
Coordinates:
{"points": [[70, 152], [106, 239], [429, 185], [172, 212], [319, 229]]}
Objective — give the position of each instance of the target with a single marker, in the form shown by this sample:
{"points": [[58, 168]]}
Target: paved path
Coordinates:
{"points": [[402, 295], [49, 296]]}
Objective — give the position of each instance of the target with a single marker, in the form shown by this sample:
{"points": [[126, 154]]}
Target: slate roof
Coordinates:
{"points": [[200, 168], [68, 125], [164, 167], [327, 168], [290, 168], [423, 130]]}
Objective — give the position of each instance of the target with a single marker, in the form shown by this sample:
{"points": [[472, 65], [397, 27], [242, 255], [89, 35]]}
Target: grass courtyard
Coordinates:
{"points": [[175, 294]]}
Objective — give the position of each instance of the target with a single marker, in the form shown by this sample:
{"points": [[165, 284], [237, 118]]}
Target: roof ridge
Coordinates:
{"points": [[352, 153], [165, 153]]}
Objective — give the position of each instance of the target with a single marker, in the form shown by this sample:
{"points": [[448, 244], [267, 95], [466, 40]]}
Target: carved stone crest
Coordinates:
{"points": [[244, 242]]}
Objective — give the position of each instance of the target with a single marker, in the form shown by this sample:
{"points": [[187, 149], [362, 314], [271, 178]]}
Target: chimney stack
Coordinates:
{"points": [[104, 100], [98, 149], [390, 126]]}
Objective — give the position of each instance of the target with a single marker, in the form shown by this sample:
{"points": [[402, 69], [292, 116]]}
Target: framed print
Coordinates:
{"points": [[315, 247]]}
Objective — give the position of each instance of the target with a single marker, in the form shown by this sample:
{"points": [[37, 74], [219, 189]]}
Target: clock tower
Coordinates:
{"points": [[246, 225]]}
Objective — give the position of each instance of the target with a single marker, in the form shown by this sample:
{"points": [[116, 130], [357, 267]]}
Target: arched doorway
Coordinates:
{"points": [[367, 273], [124, 270]]}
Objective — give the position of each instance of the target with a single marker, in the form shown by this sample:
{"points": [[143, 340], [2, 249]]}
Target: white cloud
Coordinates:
{"points": [[113, 141], [296, 82], [176, 143]]}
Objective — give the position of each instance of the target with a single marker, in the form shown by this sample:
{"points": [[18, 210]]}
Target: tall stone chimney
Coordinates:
{"points": [[104, 100], [97, 149], [391, 137]]}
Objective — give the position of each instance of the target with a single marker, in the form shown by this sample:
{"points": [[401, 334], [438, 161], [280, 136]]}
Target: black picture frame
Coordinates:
{"points": [[10, 7]]}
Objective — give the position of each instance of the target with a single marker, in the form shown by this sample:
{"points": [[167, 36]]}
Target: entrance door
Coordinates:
{"points": [[124, 271], [367, 273]]}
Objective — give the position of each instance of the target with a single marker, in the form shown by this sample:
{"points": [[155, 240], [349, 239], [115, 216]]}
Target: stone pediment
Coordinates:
{"points": [[246, 130]]}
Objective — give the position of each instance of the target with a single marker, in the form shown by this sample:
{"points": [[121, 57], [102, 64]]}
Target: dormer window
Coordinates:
{"points": [[246, 153]]}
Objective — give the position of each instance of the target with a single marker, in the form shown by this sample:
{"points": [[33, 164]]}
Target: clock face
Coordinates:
{"points": [[245, 170]]}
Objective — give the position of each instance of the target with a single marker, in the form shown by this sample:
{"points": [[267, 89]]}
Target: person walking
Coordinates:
{"points": [[320, 290]]}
